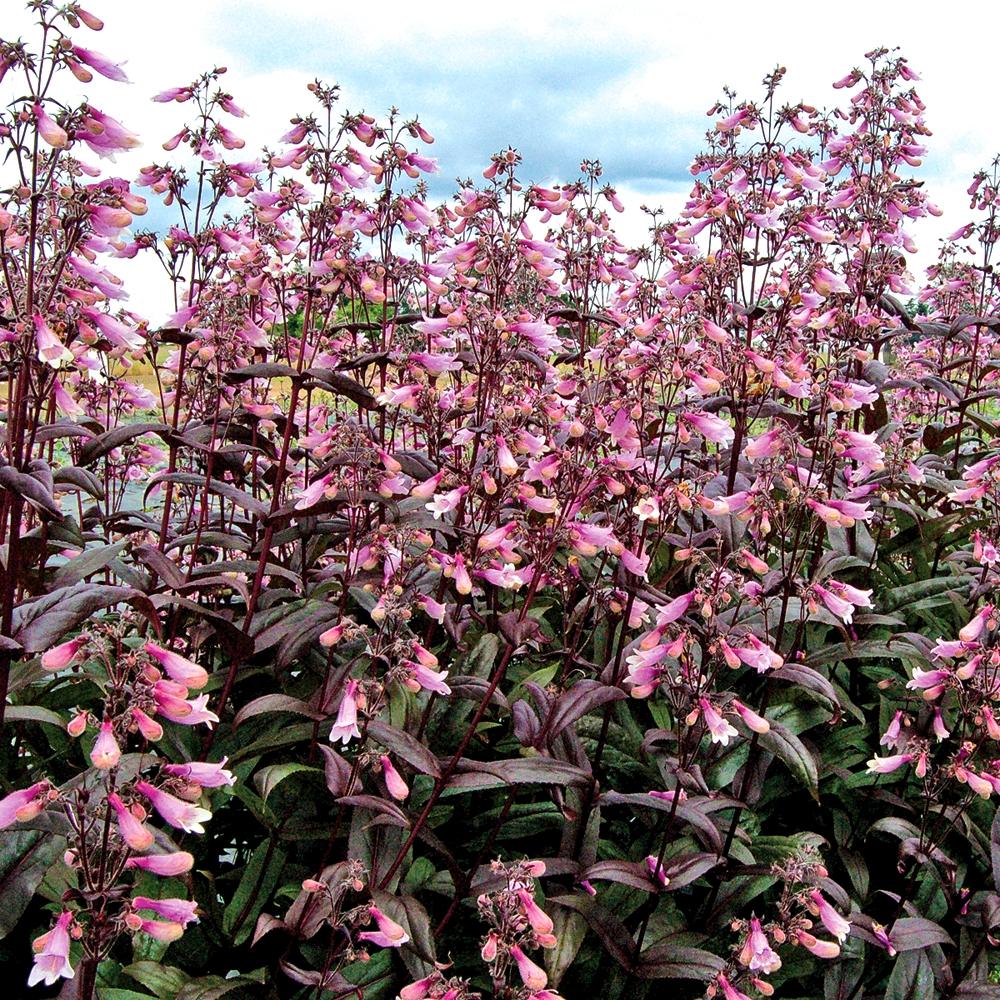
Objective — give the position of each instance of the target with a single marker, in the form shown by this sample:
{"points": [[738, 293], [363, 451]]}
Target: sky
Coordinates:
{"points": [[627, 84]]}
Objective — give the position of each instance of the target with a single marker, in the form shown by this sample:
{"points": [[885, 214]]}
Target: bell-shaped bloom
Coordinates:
{"points": [[674, 609], [821, 949], [764, 446], [757, 954], [52, 953], [51, 350], [540, 921], [52, 133], [180, 911], [886, 765], [389, 933], [345, 728], [61, 656], [720, 729], [180, 814], [398, 788], [729, 991], [202, 773], [186, 713], [164, 931], [974, 629], [100, 64], [149, 727], [419, 989], [166, 865], [532, 975], [24, 804], [428, 680], [832, 920], [891, 735], [106, 753], [138, 836], [754, 722], [178, 668], [713, 429], [331, 636]]}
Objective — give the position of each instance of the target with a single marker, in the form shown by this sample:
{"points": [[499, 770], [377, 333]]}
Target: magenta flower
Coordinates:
{"points": [[202, 773], [532, 975], [23, 804], [757, 953], [345, 728], [61, 656], [178, 668], [713, 429], [165, 865], [721, 730], [831, 919], [52, 953], [132, 830], [180, 911], [52, 133], [540, 921], [398, 788], [389, 933], [51, 350], [655, 867], [100, 64], [105, 753], [886, 765], [180, 814], [821, 949]]}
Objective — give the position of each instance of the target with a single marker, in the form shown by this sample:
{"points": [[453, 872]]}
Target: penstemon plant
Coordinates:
{"points": [[529, 613]]}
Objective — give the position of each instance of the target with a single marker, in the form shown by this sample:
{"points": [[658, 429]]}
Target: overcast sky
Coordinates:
{"points": [[625, 83]]}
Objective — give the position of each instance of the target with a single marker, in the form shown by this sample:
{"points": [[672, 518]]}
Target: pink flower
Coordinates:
{"points": [[974, 629], [52, 953], [721, 730], [540, 921], [180, 911], [419, 989], [159, 930], [891, 736], [765, 446], [429, 680], [23, 804], [202, 773], [61, 656], [389, 933], [821, 949], [710, 428], [345, 728], [886, 765], [832, 920], [178, 668], [531, 975], [757, 953], [149, 728], [729, 991], [48, 129], [132, 831], [105, 753], [51, 350], [165, 865], [398, 788], [754, 722], [180, 814], [100, 63]]}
